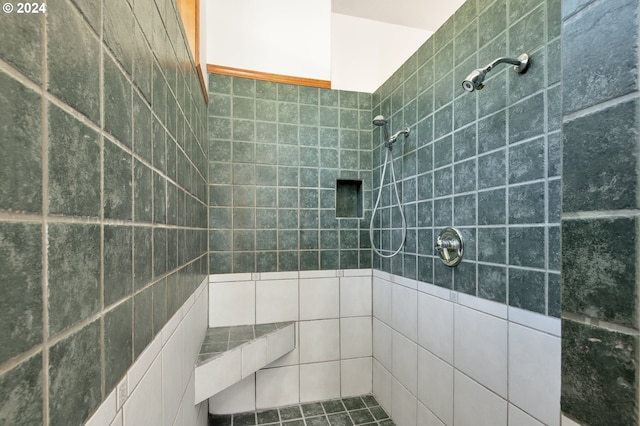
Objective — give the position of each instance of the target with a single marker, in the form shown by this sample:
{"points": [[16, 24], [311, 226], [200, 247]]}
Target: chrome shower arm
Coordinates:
{"points": [[521, 63]]}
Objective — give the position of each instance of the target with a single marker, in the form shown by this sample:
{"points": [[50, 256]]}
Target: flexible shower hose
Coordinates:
{"points": [[375, 208]]}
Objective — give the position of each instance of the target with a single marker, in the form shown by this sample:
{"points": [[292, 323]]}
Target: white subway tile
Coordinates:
{"points": [[319, 381], [277, 387], [172, 381], [355, 337], [290, 358], [405, 362], [358, 273], [215, 376], [189, 410], [427, 418], [480, 348], [405, 311], [405, 282], [404, 405], [382, 343], [355, 296], [382, 275], [319, 341], [435, 325], [237, 398], [319, 298], [144, 405], [254, 356], [276, 301], [280, 343], [483, 305], [546, 324], [326, 273], [105, 414], [232, 303], [517, 417], [475, 405], [382, 300], [435, 385], [118, 420], [382, 386], [290, 275], [355, 376], [535, 354], [434, 290], [219, 278]]}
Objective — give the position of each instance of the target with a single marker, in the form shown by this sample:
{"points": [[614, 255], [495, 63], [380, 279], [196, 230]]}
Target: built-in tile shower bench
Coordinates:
{"points": [[230, 354]]}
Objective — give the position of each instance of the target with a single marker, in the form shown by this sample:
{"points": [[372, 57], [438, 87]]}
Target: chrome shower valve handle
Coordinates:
{"points": [[450, 246]]}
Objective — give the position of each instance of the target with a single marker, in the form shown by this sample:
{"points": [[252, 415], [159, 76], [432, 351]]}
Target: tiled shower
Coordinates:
{"points": [[133, 216]]}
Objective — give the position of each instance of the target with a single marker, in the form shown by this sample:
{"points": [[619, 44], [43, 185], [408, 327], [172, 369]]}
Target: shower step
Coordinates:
{"points": [[230, 354]]}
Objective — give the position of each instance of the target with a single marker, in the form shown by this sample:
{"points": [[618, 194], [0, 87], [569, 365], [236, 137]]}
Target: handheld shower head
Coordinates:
{"points": [[379, 120], [475, 79]]}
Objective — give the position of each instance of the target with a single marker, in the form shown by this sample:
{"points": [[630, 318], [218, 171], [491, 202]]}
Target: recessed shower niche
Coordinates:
{"points": [[349, 198]]}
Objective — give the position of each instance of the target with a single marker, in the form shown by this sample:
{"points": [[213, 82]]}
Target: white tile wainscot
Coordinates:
{"points": [[161, 381], [476, 361], [332, 311]]}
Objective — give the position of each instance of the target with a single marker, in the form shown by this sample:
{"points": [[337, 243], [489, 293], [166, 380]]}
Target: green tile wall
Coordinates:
{"points": [[276, 151], [486, 162], [103, 198], [600, 208]]}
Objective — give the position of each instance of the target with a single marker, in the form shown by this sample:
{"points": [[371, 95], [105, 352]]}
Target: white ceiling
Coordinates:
{"points": [[424, 14]]}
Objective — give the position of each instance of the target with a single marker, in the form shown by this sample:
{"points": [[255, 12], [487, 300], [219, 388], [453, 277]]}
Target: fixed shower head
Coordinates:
{"points": [[379, 120], [475, 79]]}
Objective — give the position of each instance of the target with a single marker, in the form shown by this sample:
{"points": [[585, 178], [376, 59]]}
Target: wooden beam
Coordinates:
{"points": [[276, 78]]}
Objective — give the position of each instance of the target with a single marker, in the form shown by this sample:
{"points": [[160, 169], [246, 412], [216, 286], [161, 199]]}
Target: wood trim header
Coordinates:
{"points": [[264, 76]]}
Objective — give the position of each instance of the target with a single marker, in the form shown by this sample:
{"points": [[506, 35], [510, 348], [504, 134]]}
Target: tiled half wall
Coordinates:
{"points": [[446, 358], [333, 354]]}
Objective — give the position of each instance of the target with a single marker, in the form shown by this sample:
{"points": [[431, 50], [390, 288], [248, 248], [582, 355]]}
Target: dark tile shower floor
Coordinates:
{"points": [[363, 410]]}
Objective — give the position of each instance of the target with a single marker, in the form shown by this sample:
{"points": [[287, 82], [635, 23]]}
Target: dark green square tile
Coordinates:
{"points": [[266, 90], [598, 172], [612, 78], [599, 372], [21, 47], [143, 193], [21, 390], [142, 320], [244, 108], [118, 22], [527, 290], [75, 376], [143, 258], [244, 87], [73, 77], [118, 332], [159, 295], [117, 103], [74, 274], [21, 287], [596, 281], [312, 409], [527, 246], [526, 203], [526, 118], [74, 166], [117, 182], [118, 268], [290, 413], [340, 419], [142, 135], [159, 252], [492, 283], [21, 159]]}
